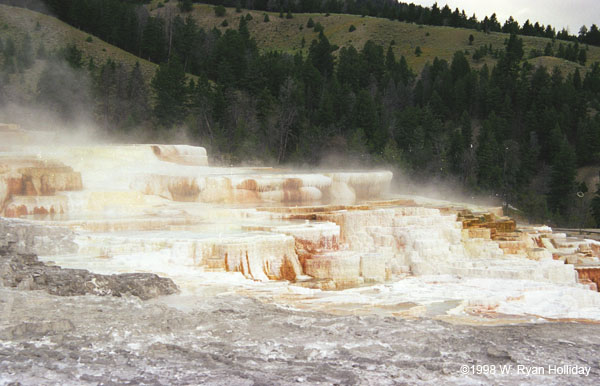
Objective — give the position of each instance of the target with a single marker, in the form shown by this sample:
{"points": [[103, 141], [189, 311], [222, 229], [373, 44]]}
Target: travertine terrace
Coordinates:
{"points": [[163, 209]]}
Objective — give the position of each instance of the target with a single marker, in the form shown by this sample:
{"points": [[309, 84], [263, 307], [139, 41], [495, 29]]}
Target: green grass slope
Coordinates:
{"points": [[285, 35], [54, 34]]}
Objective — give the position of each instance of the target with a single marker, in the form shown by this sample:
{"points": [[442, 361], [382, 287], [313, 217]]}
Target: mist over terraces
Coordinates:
{"points": [[161, 207]]}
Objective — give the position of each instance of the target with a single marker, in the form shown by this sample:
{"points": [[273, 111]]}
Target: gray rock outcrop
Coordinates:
{"points": [[26, 272]]}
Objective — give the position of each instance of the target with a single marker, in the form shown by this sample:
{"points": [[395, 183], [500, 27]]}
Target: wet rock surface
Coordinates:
{"points": [[231, 339], [20, 267], [24, 271], [37, 239]]}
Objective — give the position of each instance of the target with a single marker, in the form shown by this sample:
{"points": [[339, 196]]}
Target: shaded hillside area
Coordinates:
{"points": [[53, 67], [50, 35], [494, 121], [283, 34]]}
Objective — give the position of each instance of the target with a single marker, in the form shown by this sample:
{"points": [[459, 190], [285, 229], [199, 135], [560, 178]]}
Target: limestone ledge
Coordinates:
{"points": [[333, 226], [245, 187], [29, 177]]}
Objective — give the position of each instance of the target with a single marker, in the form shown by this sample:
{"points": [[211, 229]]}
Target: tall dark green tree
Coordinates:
{"points": [[348, 68], [466, 130], [595, 206], [111, 95], [365, 114], [562, 181], [185, 5], [320, 54], [73, 56], [153, 46], [373, 63], [455, 151], [186, 40], [170, 87], [137, 95], [489, 172]]}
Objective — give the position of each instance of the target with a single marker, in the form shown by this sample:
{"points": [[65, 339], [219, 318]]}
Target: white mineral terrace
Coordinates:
{"points": [[328, 240]]}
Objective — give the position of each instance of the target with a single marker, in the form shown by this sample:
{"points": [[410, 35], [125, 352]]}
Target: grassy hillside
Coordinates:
{"points": [[285, 35], [54, 34]]}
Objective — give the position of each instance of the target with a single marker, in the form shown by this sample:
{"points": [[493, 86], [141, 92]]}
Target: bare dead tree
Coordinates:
{"points": [[142, 15], [288, 112], [391, 102]]}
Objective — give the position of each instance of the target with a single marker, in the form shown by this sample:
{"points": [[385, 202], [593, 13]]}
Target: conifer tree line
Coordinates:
{"points": [[412, 13], [70, 83], [513, 131], [119, 21]]}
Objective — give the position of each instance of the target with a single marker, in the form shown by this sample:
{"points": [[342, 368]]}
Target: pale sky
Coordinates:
{"points": [[559, 13]]}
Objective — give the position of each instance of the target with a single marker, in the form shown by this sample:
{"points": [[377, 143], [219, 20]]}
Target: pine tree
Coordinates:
{"points": [[185, 5], [170, 88], [153, 40], [514, 48], [357, 144], [562, 180], [73, 55], [393, 155], [466, 130], [348, 68], [320, 55], [106, 94], [137, 94], [489, 172], [555, 143], [460, 66], [365, 117], [243, 28], [456, 150], [220, 11], [372, 63], [582, 58], [529, 159], [390, 60], [595, 206]]}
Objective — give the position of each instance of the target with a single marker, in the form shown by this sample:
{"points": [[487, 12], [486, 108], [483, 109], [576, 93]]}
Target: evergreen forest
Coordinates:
{"points": [[512, 131]]}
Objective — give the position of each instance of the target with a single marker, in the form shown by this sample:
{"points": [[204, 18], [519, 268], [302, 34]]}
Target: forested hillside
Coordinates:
{"points": [[436, 15], [418, 43], [494, 121]]}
